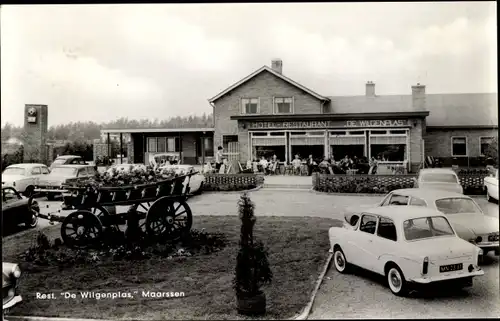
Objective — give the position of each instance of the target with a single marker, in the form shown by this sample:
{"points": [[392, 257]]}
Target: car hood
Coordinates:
{"points": [[441, 246], [450, 187], [12, 178], [478, 223]]}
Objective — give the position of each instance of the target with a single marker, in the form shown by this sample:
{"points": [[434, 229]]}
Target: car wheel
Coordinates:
{"points": [[396, 281], [339, 260], [29, 191]]}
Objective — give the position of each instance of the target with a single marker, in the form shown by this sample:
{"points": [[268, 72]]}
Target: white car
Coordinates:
{"points": [[439, 178], [411, 248], [23, 177], [196, 182], [491, 186], [464, 214]]}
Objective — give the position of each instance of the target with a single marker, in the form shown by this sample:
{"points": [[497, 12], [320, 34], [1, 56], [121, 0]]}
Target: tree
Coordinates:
{"points": [[491, 151], [252, 265]]}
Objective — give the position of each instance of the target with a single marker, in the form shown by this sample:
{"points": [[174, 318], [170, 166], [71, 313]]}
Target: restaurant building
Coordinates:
{"points": [[267, 113]]}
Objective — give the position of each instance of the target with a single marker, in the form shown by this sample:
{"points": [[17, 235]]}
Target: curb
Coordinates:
{"points": [[28, 318], [307, 310], [312, 190], [235, 192]]}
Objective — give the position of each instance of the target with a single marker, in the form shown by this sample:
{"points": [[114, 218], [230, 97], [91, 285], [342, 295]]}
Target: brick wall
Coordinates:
{"points": [[438, 144], [266, 86], [100, 149]]}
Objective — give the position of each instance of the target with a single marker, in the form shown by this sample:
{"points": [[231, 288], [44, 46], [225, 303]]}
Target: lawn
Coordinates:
{"points": [[297, 252]]}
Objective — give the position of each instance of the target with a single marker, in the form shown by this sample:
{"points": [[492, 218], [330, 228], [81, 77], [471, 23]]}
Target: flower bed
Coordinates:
{"points": [[382, 184], [232, 182]]}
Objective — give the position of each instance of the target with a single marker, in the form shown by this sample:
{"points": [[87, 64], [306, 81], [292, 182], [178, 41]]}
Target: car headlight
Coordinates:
{"points": [[16, 271]]}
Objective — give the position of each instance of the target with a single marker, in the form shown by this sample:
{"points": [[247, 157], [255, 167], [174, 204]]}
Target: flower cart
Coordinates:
{"points": [[162, 203]]}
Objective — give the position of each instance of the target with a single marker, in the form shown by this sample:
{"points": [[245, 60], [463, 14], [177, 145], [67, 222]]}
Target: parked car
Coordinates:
{"points": [[16, 209], [68, 160], [23, 177], [413, 248], [196, 182], [491, 186], [439, 178], [63, 175], [465, 215], [10, 281]]}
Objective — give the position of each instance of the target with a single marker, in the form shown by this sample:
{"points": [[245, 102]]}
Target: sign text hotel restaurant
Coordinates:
{"points": [[328, 124]]}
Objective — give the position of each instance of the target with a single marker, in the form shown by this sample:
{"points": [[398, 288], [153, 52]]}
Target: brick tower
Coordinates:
{"points": [[35, 133]]}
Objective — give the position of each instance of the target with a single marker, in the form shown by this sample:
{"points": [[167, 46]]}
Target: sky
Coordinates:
{"points": [[102, 62]]}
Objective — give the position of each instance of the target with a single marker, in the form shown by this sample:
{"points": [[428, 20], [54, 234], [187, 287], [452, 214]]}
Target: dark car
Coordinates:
{"points": [[16, 209], [10, 281], [67, 160]]}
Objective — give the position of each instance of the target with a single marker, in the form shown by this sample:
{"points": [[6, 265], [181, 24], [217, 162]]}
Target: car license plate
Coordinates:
{"points": [[451, 267]]}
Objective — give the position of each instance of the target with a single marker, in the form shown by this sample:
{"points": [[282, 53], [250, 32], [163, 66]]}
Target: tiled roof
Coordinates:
{"points": [[445, 109]]}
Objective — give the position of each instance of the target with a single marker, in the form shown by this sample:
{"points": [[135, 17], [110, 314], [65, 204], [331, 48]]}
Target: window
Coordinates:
{"points": [[484, 143], [36, 171], [439, 178], [386, 200], [427, 227], [209, 146], [387, 229], [457, 205], [417, 202], [152, 144], [368, 224], [162, 145], [399, 200], [250, 106], [172, 145], [283, 105], [227, 140], [459, 146], [45, 170]]}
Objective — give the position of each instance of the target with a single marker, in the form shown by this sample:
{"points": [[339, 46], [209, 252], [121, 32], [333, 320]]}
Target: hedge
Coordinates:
{"points": [[382, 184], [232, 182]]}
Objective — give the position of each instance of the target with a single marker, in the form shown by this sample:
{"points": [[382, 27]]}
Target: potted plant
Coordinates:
{"points": [[252, 265]]}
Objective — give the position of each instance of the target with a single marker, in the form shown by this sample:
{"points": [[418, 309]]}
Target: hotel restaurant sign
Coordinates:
{"points": [[328, 124]]}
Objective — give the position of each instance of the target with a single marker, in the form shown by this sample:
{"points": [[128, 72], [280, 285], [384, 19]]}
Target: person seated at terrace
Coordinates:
{"points": [[325, 166], [373, 166], [346, 163]]}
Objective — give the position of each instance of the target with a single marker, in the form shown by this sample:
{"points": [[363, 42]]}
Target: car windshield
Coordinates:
{"points": [[427, 227], [59, 161], [14, 171], [65, 171], [457, 205], [438, 178]]}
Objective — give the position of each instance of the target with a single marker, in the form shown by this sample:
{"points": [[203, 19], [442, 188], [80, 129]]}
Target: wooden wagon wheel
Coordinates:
{"points": [[168, 218], [81, 229]]}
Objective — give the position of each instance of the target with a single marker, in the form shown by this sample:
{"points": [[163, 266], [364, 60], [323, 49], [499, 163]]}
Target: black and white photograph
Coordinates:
{"points": [[249, 161]]}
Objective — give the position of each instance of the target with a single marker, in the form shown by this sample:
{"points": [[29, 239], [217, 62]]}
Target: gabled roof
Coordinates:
{"points": [[270, 70]]}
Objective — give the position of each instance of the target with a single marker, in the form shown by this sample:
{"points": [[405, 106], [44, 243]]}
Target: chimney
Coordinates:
{"points": [[370, 89], [277, 65], [418, 97]]}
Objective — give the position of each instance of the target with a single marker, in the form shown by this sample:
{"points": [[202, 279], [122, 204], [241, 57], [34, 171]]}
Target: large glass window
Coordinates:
{"points": [[171, 144], [392, 152], [209, 146], [458, 146], [162, 145], [269, 152], [152, 145]]}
